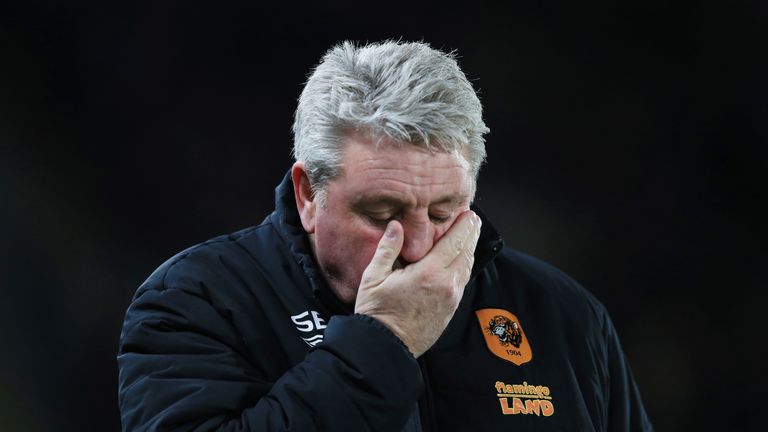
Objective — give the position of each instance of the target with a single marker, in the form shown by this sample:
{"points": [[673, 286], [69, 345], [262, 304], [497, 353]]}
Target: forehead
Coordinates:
{"points": [[403, 172]]}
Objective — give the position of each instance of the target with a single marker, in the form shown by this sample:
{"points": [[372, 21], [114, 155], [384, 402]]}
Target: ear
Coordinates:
{"points": [[305, 199]]}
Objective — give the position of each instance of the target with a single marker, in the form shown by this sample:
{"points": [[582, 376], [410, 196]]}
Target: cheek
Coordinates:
{"points": [[366, 248], [347, 244], [440, 230]]}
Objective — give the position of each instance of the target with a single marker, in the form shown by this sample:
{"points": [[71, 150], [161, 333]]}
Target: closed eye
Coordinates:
{"points": [[380, 218], [439, 219]]}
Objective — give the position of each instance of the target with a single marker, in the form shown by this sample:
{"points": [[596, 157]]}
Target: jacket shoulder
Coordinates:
{"points": [[208, 261], [543, 280]]}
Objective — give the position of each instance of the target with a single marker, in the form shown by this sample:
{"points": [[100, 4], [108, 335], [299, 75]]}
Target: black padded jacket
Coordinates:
{"points": [[241, 333]]}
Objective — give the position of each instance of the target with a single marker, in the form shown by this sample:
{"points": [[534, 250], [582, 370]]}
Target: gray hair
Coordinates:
{"points": [[406, 91]]}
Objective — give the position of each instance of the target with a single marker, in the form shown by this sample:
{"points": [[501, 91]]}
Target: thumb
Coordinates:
{"points": [[386, 253]]}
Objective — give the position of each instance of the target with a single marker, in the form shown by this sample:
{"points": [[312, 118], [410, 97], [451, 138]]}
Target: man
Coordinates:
{"points": [[373, 297]]}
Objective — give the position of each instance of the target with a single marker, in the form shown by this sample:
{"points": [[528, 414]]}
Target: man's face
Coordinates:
{"points": [[424, 191]]}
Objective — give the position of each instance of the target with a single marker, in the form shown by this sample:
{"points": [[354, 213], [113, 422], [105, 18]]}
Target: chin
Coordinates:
{"points": [[345, 294], [348, 300]]}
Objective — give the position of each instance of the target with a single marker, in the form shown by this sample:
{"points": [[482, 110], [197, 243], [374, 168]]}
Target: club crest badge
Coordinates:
{"points": [[504, 335]]}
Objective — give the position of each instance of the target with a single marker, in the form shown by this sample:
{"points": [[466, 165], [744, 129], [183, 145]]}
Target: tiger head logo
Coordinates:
{"points": [[506, 330]]}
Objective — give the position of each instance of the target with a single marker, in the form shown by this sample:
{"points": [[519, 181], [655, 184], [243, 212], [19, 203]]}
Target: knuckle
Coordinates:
{"points": [[458, 242], [387, 253], [446, 292], [424, 279], [366, 279]]}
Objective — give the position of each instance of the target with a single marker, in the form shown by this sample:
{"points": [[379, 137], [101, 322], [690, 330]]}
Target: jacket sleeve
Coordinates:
{"points": [[182, 367], [625, 408]]}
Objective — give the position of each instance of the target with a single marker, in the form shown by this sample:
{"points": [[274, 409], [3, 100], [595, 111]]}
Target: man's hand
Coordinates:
{"points": [[418, 301]]}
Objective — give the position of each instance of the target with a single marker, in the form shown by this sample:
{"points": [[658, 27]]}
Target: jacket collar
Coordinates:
{"points": [[287, 222]]}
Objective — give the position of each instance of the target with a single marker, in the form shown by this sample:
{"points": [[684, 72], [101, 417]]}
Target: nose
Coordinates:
{"points": [[417, 241]]}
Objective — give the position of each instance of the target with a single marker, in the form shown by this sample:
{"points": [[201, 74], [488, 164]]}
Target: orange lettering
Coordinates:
{"points": [[518, 407], [499, 387], [505, 409], [547, 409], [532, 406]]}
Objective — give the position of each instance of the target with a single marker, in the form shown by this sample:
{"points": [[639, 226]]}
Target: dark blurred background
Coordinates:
{"points": [[628, 148]]}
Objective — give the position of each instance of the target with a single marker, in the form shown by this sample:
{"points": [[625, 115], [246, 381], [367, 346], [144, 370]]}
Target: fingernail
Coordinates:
{"points": [[390, 231]]}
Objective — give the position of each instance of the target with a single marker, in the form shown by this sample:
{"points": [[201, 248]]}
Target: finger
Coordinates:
{"points": [[461, 237], [385, 256], [461, 269]]}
